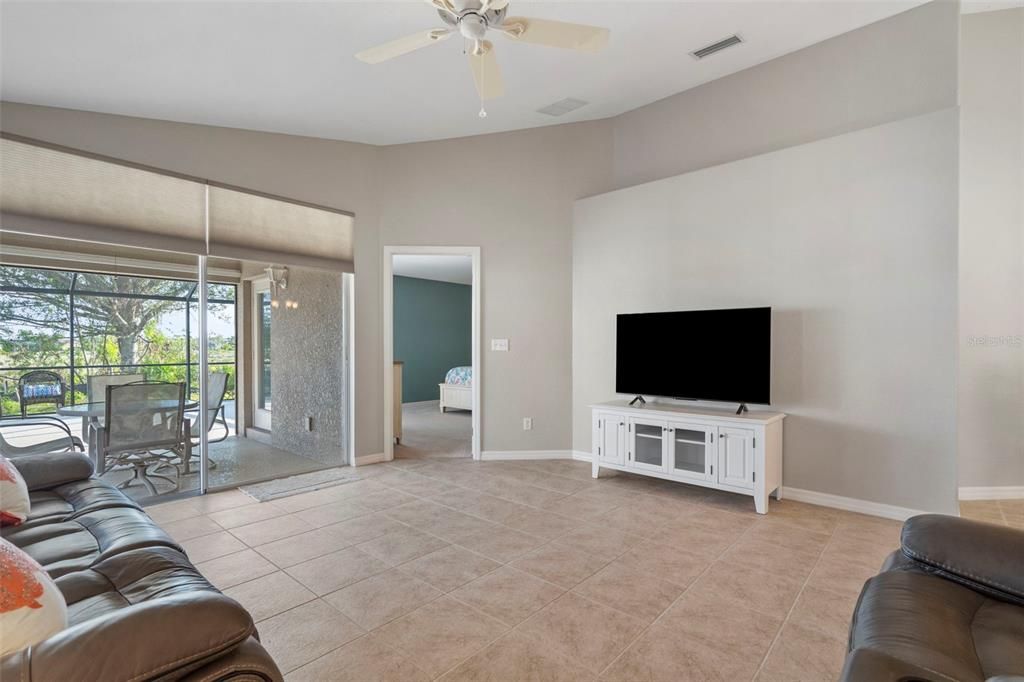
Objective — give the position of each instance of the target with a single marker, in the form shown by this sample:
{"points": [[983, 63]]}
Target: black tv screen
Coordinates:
{"points": [[721, 355]]}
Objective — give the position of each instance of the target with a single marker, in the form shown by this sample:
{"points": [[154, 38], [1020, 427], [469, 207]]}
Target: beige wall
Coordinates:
{"points": [[991, 390], [852, 241]]}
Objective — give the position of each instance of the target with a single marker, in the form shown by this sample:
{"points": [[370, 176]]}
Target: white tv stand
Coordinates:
{"points": [[701, 446]]}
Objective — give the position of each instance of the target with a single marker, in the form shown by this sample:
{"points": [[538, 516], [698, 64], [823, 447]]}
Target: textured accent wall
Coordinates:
{"points": [[433, 332], [308, 359]]}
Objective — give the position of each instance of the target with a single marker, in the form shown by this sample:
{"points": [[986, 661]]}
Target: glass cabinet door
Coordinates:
{"points": [[648, 441], [691, 450]]}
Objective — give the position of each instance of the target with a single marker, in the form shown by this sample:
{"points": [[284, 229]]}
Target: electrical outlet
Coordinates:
{"points": [[527, 423], [499, 345], [309, 423]]}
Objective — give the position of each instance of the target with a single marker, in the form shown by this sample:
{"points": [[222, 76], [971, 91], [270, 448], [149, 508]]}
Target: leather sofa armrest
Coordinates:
{"points": [[160, 638], [249, 661], [868, 665], [982, 556], [52, 469]]}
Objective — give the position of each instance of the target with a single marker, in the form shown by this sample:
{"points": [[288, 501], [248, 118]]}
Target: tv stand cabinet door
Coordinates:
{"points": [[610, 438], [736, 457], [648, 445], [693, 453]]}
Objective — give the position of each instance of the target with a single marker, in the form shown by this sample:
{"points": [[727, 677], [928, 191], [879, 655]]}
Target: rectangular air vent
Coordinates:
{"points": [[709, 50], [562, 107]]}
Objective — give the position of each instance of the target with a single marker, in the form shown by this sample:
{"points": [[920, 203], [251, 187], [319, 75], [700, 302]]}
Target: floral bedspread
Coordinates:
{"points": [[459, 376]]}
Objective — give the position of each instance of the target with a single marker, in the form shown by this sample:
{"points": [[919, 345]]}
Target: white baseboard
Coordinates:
{"points": [[490, 455], [582, 456], [1001, 492], [852, 504], [371, 459]]}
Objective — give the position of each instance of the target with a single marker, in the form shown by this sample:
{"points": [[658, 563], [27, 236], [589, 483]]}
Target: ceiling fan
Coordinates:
{"points": [[472, 19]]}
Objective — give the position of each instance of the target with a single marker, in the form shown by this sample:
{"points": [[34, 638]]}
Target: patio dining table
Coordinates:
{"points": [[92, 412]]}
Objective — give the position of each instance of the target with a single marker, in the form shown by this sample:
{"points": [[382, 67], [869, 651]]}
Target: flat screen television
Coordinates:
{"points": [[715, 355]]}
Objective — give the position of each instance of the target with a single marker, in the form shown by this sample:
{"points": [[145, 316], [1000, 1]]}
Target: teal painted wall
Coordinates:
{"points": [[433, 333]]}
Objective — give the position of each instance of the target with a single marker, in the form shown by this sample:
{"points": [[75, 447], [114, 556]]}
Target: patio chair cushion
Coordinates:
{"points": [[63, 547], [31, 606], [67, 502], [15, 504]]}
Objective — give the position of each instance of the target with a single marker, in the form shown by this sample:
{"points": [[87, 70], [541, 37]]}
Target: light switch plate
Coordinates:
{"points": [[499, 344]]}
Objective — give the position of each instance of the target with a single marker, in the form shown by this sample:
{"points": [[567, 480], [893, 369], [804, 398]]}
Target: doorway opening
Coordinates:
{"points": [[431, 355]]}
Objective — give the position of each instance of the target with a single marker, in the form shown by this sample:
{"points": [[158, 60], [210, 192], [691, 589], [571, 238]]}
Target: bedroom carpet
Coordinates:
{"points": [[429, 434]]}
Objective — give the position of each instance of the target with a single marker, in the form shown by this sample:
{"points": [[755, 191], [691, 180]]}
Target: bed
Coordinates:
{"points": [[457, 389]]}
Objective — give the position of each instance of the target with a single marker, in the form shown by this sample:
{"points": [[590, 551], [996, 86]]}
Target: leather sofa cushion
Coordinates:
{"points": [[53, 469], [938, 625], [76, 545], [65, 502], [129, 578]]}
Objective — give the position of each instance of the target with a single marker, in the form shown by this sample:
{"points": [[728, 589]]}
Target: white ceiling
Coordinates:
{"points": [[288, 66], [455, 269]]}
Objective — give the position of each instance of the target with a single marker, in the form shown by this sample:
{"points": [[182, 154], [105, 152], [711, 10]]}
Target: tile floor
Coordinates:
{"points": [[1004, 512], [461, 570]]}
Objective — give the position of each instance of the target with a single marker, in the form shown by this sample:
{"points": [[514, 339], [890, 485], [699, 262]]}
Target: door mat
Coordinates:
{"points": [[302, 483]]}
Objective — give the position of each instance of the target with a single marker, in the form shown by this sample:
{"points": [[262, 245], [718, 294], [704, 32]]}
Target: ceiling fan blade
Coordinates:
{"points": [[397, 48], [489, 5], [445, 5], [486, 73], [556, 34]]}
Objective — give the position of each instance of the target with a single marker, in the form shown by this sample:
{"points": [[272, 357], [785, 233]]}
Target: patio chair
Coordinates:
{"points": [[144, 430], [216, 387], [40, 387], [96, 385], [66, 442]]}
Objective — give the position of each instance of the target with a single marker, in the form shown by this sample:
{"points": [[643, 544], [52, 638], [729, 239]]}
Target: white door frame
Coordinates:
{"points": [[388, 300], [261, 419]]}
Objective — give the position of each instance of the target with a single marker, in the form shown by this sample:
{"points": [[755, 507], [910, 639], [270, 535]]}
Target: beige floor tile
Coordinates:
{"points": [[402, 546], [600, 540], [335, 512], [516, 657], [500, 543], [361, 660], [229, 499], [721, 625], [452, 525], [192, 527], [481, 505], [449, 567], [294, 550], [871, 551], [263, 532], [674, 565], [386, 498], [663, 656], [270, 595], [844, 575], [695, 539], [582, 507], [803, 655], [206, 547], [560, 564], [246, 514], [440, 635], [869, 528], [770, 529], [750, 550], [315, 498], [541, 524], [235, 569], [379, 599], [417, 513], [334, 571], [507, 594], [365, 528], [769, 593], [591, 634], [827, 612], [305, 633], [173, 511], [641, 595]]}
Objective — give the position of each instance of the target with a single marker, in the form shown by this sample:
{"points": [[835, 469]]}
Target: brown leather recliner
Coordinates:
{"points": [[137, 608], [948, 605]]}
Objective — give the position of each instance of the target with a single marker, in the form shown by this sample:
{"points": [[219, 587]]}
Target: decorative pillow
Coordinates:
{"points": [[14, 500], [31, 606]]}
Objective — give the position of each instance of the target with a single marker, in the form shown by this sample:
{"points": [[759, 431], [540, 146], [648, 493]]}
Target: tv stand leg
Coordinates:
{"points": [[761, 503], [778, 493], [595, 469]]}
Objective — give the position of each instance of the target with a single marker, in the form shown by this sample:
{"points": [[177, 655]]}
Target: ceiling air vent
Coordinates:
{"points": [[562, 107], [709, 50]]}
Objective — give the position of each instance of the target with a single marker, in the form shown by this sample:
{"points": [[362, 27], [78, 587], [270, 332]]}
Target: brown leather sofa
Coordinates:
{"points": [[948, 605], [137, 608]]}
